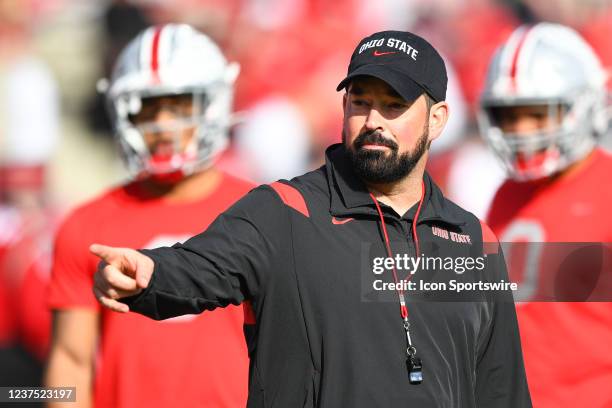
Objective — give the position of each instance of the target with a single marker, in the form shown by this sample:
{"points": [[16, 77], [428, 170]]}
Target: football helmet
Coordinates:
{"points": [[171, 60], [549, 67]]}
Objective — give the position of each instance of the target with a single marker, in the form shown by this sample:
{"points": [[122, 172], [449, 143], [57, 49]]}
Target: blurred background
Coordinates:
{"points": [[56, 146]]}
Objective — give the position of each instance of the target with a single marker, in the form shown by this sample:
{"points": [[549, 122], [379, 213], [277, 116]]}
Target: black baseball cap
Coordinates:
{"points": [[407, 62]]}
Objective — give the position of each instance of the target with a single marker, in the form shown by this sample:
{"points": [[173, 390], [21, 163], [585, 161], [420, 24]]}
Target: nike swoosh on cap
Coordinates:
{"points": [[378, 53]]}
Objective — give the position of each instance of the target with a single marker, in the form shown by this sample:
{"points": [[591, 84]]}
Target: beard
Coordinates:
{"points": [[377, 166]]}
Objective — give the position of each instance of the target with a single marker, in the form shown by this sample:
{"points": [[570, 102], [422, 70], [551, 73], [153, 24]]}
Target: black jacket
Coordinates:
{"points": [[301, 252]]}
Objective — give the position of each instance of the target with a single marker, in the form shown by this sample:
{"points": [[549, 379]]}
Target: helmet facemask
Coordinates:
{"points": [[179, 145]]}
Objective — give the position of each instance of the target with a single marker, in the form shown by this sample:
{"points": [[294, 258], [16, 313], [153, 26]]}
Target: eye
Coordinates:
{"points": [[147, 113], [397, 105], [539, 115], [358, 102]]}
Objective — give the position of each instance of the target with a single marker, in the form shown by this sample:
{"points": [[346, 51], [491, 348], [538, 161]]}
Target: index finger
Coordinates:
{"points": [[106, 253]]}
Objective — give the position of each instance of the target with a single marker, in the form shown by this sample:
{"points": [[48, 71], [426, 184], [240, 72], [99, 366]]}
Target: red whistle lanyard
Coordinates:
{"points": [[411, 350]]}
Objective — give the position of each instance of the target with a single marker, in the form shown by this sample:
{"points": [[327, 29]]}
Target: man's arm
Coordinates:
{"points": [[75, 311], [226, 264], [72, 356]]}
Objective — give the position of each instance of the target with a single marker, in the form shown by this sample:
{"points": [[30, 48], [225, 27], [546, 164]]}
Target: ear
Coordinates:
{"points": [[438, 116], [344, 97]]}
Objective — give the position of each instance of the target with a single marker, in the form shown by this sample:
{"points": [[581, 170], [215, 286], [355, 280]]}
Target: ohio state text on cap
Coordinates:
{"points": [[407, 62]]}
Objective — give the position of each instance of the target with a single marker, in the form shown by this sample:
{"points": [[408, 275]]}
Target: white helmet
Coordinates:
{"points": [[172, 59], [544, 65]]}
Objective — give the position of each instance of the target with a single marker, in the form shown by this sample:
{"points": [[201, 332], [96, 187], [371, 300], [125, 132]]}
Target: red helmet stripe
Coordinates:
{"points": [[517, 52], [155, 54]]}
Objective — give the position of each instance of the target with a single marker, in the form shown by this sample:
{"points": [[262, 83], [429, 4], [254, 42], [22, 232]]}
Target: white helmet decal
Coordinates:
{"points": [[168, 60], [544, 65]]}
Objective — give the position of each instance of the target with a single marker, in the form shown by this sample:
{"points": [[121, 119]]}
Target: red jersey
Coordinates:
{"points": [[196, 360], [566, 345]]}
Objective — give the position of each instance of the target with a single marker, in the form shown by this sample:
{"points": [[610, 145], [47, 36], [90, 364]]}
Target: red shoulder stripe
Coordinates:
{"points": [[291, 197], [490, 244]]}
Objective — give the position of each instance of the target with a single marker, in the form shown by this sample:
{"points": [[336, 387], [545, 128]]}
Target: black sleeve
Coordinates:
{"points": [[226, 264], [500, 378]]}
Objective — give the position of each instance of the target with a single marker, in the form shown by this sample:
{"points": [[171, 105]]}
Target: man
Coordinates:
{"points": [[296, 249], [170, 100], [543, 109]]}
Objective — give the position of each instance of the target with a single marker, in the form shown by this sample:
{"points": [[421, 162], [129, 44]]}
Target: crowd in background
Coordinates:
{"points": [[56, 145]]}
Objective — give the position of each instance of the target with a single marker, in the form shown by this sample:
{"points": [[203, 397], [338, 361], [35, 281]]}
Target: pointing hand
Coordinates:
{"points": [[124, 272]]}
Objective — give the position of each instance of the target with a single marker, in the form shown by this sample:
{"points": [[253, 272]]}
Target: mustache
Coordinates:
{"points": [[374, 137]]}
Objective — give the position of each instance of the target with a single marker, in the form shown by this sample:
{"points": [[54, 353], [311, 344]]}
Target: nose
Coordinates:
{"points": [[162, 133], [164, 115], [374, 120]]}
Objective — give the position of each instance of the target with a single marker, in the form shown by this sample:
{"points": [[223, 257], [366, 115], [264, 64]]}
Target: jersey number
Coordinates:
{"points": [[522, 243]]}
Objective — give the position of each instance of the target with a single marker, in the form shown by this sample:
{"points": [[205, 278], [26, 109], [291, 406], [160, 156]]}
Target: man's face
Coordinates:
{"points": [[159, 120], [384, 134]]}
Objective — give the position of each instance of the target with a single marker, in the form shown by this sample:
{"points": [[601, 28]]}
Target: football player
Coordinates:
{"points": [[542, 112], [170, 100]]}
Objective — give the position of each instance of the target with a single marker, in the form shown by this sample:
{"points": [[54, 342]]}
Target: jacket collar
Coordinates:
{"points": [[350, 196]]}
